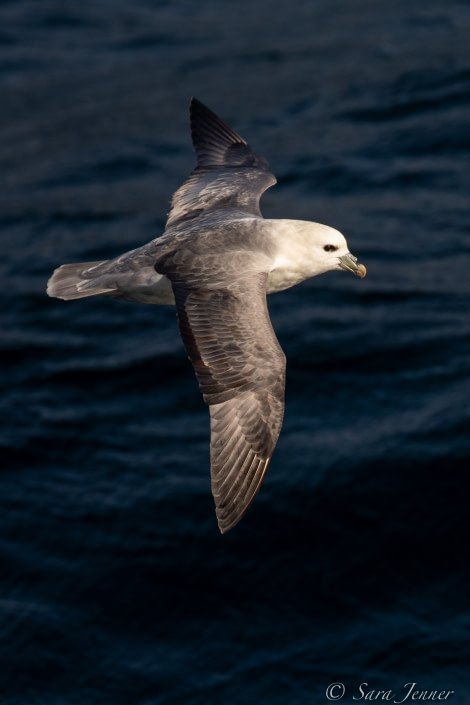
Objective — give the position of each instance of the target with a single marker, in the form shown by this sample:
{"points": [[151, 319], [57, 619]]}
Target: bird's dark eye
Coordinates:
{"points": [[330, 248]]}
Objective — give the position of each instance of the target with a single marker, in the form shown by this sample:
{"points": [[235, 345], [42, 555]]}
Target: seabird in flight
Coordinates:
{"points": [[216, 261]]}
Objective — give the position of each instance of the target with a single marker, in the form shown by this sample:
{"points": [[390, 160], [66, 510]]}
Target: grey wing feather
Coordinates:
{"points": [[240, 367], [240, 453], [218, 145], [229, 174]]}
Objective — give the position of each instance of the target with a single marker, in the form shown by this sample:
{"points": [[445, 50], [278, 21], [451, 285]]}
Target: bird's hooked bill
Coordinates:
{"points": [[350, 264]]}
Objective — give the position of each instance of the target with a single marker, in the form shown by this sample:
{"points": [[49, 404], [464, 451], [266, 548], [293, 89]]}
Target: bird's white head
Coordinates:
{"points": [[306, 249], [332, 251]]}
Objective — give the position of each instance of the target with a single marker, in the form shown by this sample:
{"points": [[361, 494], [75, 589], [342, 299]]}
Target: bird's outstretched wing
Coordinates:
{"points": [[240, 366], [241, 372], [229, 174]]}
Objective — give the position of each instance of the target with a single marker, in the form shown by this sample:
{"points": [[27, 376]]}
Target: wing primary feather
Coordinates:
{"points": [[218, 145]]}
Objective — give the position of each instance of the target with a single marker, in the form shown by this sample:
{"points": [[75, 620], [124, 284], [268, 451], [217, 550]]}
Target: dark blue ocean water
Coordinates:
{"points": [[352, 565]]}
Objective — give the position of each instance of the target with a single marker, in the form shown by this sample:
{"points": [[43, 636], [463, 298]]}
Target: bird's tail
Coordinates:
{"points": [[76, 281]]}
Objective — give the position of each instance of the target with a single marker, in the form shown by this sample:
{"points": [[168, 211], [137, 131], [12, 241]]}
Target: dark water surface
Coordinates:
{"points": [[352, 565]]}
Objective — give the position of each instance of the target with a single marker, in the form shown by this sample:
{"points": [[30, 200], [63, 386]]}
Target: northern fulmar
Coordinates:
{"points": [[216, 261]]}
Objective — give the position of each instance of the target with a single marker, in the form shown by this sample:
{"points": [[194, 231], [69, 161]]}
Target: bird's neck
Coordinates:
{"points": [[294, 259]]}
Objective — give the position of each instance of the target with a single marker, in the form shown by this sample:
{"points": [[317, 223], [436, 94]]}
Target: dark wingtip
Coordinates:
{"points": [[218, 145]]}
